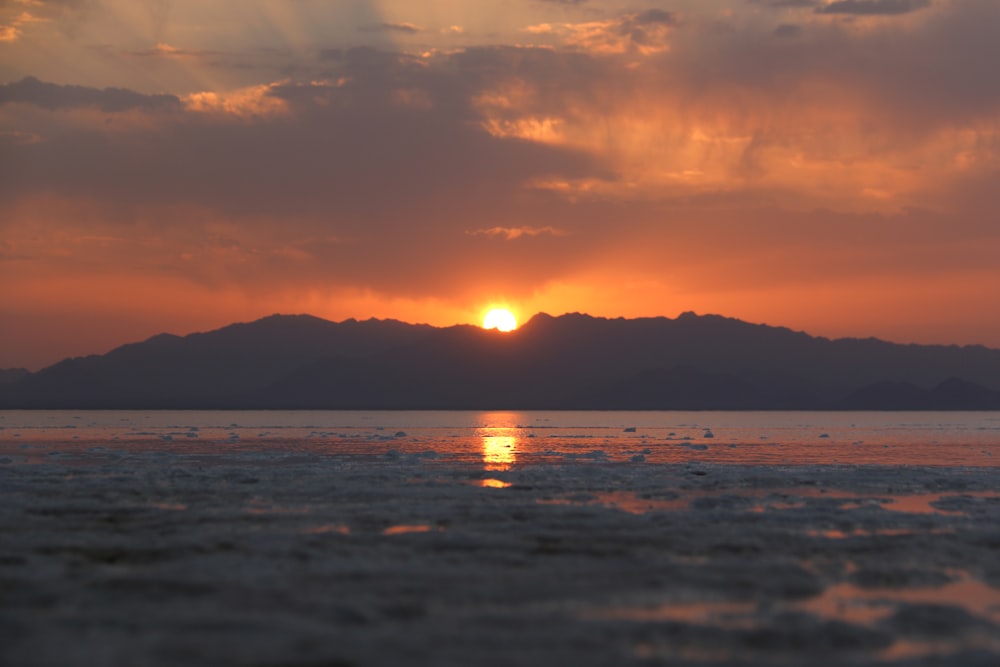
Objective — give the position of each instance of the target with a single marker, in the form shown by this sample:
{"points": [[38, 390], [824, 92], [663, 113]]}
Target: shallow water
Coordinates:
{"points": [[306, 538], [507, 438]]}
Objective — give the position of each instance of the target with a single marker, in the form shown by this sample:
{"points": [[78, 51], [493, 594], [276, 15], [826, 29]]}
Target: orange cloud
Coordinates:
{"points": [[245, 103], [9, 33], [12, 30], [512, 233]]}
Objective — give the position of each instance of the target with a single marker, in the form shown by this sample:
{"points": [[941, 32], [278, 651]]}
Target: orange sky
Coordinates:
{"points": [[177, 165]]}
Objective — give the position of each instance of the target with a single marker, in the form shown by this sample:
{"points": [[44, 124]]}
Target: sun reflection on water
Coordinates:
{"points": [[499, 451], [494, 484]]}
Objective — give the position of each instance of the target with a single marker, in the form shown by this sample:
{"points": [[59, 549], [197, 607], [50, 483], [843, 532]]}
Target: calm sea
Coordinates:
{"points": [[512, 438]]}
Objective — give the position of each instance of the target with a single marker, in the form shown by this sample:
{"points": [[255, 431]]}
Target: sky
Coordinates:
{"points": [[177, 165]]}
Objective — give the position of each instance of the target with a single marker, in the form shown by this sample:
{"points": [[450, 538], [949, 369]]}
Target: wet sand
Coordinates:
{"points": [[126, 555]]}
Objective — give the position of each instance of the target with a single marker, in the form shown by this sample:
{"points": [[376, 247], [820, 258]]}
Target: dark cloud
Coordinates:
{"points": [[786, 4], [332, 54], [787, 30], [651, 16], [339, 148], [791, 3], [655, 16], [55, 97], [917, 79], [407, 28], [873, 7], [646, 28], [166, 52]]}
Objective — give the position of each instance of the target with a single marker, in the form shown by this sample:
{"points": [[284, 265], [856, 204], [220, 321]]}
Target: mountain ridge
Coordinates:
{"points": [[571, 361]]}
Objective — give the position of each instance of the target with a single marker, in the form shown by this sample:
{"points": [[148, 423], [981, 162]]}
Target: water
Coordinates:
{"points": [[765, 438], [456, 538]]}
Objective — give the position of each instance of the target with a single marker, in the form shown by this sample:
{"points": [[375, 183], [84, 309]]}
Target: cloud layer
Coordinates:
{"points": [[826, 165]]}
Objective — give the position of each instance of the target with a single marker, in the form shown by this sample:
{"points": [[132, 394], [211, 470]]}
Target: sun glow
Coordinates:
{"points": [[500, 319]]}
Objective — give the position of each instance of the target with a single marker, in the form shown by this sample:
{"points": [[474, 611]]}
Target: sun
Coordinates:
{"points": [[500, 319]]}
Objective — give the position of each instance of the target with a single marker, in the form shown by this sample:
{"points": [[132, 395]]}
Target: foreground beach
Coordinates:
{"points": [[377, 547]]}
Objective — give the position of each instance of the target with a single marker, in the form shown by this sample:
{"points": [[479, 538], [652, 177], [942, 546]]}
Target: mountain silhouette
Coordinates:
{"points": [[573, 361], [952, 394], [8, 375], [202, 369]]}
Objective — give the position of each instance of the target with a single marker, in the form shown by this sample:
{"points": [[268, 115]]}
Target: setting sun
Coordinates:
{"points": [[500, 319]]}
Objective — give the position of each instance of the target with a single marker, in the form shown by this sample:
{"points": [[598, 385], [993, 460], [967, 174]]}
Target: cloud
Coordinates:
{"points": [[165, 50], [653, 16], [253, 102], [11, 30], [787, 30], [4, 4], [873, 7], [54, 97], [338, 145], [9, 33], [791, 4], [42, 7], [18, 13], [643, 33], [699, 162], [407, 28], [513, 233], [832, 117]]}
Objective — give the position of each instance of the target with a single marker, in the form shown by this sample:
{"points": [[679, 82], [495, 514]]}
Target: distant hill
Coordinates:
{"points": [[569, 362]]}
